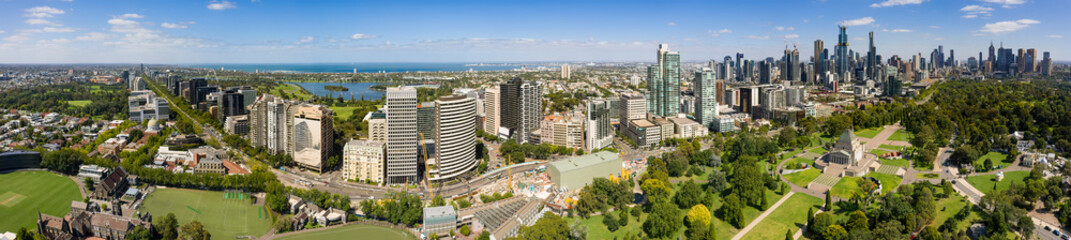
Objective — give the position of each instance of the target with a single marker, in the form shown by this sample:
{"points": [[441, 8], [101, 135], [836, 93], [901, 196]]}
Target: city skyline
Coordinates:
{"points": [[416, 31]]}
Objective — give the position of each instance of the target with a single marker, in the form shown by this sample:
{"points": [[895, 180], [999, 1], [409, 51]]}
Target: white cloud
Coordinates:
{"points": [[715, 33], [94, 36], [21, 37], [890, 3], [791, 36], [43, 12], [2, 32], [935, 27], [306, 39], [1050, 36], [178, 25], [756, 37], [38, 21], [897, 30], [856, 22], [1008, 26], [131, 15], [939, 39], [221, 5], [671, 24], [359, 36], [57, 30], [780, 28], [1006, 3], [973, 11]]}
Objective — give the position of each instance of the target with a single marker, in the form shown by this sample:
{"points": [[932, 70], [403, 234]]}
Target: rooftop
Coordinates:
{"points": [[580, 162]]}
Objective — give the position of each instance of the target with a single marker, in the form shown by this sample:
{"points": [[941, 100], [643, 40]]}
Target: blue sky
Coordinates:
{"points": [[269, 31]]}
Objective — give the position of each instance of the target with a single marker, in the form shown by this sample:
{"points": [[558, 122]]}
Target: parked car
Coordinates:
{"points": [[1047, 228]]}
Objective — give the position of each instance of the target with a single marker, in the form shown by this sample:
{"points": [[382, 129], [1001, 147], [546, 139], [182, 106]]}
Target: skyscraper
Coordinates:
{"points": [[492, 115], [521, 107], [706, 103], [401, 110], [598, 132], [871, 58], [566, 71], [456, 136], [1031, 60], [663, 83], [818, 60], [842, 52], [791, 70]]}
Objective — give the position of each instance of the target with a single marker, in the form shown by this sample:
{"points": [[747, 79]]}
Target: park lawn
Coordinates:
{"points": [[597, 230], [878, 152], [985, 183], [948, 207], [895, 162], [291, 89], [79, 103], [927, 175], [900, 135], [788, 217], [846, 186], [890, 147], [869, 132], [818, 150], [996, 157], [343, 112], [797, 161], [224, 218], [694, 177], [803, 178], [787, 155], [353, 230], [24, 194]]}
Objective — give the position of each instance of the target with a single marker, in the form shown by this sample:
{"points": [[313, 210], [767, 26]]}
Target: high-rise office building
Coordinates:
{"points": [[401, 109], [939, 60], [633, 106], [791, 69], [230, 103], [663, 83], [425, 120], [566, 71], [312, 136], [363, 160], [842, 52], [1031, 60], [456, 137], [765, 72], [1046, 65], [818, 59], [706, 103], [492, 115], [871, 58], [521, 107], [598, 133]]}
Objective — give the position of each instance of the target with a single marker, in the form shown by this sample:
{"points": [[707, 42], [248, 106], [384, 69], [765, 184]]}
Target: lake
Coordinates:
{"points": [[357, 90]]}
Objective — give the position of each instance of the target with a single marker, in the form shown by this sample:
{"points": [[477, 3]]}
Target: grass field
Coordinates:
{"points": [[818, 150], [343, 112], [224, 218], [292, 90], [996, 157], [804, 177], [847, 185], [79, 103], [985, 183], [355, 231], [890, 147], [927, 175], [23, 194], [869, 132], [879, 151], [895, 162], [900, 135], [788, 217]]}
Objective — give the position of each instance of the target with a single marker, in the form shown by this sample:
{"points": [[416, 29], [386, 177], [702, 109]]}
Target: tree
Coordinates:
{"points": [[689, 195], [765, 203], [788, 235], [622, 217], [284, 224], [716, 181], [23, 234], [810, 215], [829, 201], [663, 221], [465, 230], [194, 231], [699, 231], [167, 227], [732, 211], [858, 222], [1026, 227], [821, 222], [931, 233], [65, 160], [578, 231], [438, 201], [548, 227], [698, 215], [610, 221], [834, 232], [89, 183], [888, 230], [656, 189], [139, 233], [636, 212], [926, 206], [484, 235]]}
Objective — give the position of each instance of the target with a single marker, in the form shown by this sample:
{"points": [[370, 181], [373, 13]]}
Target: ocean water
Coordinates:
{"points": [[349, 67], [356, 90]]}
